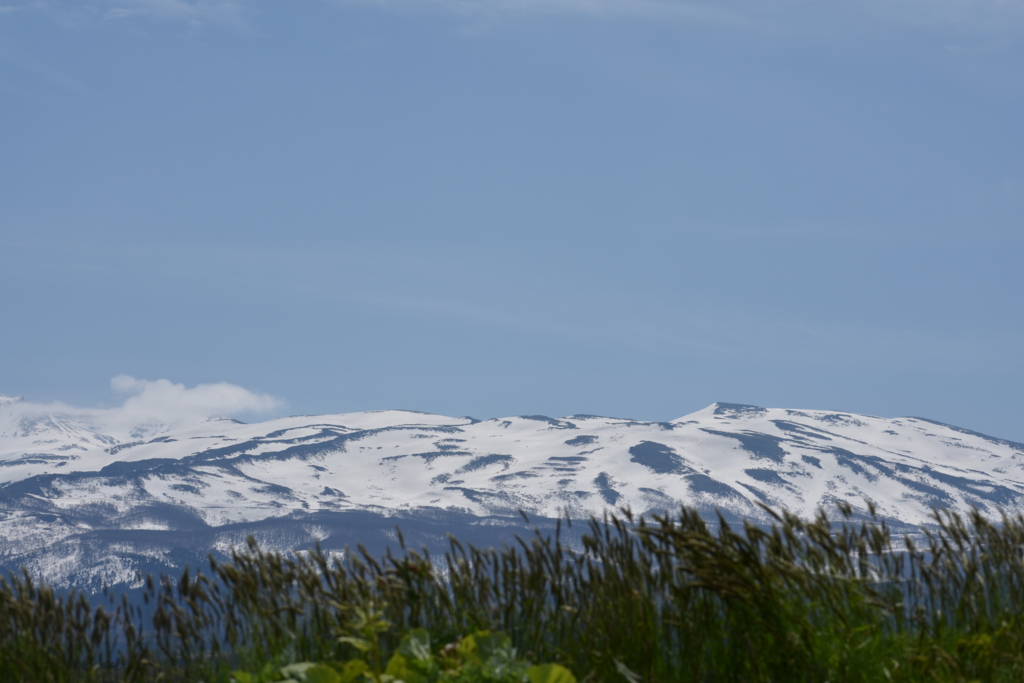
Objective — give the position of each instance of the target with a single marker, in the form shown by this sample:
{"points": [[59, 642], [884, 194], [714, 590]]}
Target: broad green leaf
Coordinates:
{"points": [[297, 670], [268, 673], [467, 646], [416, 644], [396, 665], [488, 643], [322, 674], [549, 673], [360, 644], [349, 671], [399, 668]]}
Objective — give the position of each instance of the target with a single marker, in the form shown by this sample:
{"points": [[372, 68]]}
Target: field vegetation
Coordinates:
{"points": [[668, 598]]}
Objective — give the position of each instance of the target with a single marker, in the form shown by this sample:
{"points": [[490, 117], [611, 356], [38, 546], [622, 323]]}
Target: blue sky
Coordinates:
{"points": [[494, 207]]}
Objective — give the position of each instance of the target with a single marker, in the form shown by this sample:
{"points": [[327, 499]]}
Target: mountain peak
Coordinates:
{"points": [[738, 410]]}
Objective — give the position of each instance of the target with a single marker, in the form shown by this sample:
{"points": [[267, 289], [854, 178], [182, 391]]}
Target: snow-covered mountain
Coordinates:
{"points": [[78, 505]]}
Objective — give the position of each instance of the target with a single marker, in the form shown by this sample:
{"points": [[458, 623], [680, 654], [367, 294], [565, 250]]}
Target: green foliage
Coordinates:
{"points": [[305, 672], [482, 657], [670, 598]]}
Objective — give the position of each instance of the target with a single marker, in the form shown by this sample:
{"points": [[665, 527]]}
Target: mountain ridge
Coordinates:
{"points": [[69, 490]]}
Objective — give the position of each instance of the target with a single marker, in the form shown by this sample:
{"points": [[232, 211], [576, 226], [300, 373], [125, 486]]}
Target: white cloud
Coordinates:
{"points": [[157, 406], [158, 399], [194, 13], [654, 9]]}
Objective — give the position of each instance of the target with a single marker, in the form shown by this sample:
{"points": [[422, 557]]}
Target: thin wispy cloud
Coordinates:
{"points": [[650, 9], [967, 15], [773, 14], [152, 407], [988, 14], [197, 12], [227, 13]]}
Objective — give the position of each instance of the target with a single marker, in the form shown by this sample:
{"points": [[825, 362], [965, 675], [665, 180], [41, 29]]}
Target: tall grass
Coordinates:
{"points": [[661, 599]]}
